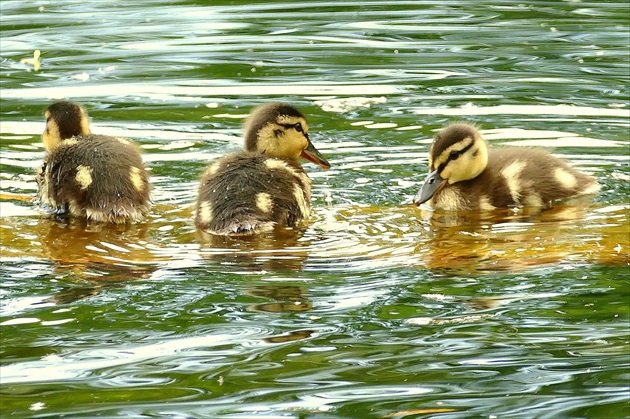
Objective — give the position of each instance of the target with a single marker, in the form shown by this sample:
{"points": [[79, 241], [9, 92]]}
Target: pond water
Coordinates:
{"points": [[379, 309]]}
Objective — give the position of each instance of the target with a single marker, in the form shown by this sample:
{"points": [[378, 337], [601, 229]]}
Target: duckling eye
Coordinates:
{"points": [[298, 127], [454, 155]]}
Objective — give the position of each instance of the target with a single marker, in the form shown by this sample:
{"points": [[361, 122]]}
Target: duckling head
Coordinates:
{"points": [[458, 153], [64, 120], [279, 130]]}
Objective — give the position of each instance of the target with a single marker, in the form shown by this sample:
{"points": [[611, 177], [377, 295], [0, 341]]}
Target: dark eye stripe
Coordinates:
{"points": [[454, 155], [298, 127]]}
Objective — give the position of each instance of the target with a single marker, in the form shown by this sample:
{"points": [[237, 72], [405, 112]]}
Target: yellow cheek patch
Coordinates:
{"points": [[204, 212], [51, 136], [267, 139], [280, 139], [85, 124], [264, 202], [136, 178], [84, 176], [564, 178]]}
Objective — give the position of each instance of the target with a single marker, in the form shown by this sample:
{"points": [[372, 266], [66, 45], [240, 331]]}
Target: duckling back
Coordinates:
{"points": [[533, 177], [97, 177], [249, 193]]}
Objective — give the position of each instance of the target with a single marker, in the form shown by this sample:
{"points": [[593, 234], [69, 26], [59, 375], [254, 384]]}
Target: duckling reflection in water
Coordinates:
{"points": [[467, 175], [265, 186], [96, 177]]}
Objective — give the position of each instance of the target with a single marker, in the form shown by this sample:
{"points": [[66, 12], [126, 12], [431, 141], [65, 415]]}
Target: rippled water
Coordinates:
{"points": [[378, 309]]}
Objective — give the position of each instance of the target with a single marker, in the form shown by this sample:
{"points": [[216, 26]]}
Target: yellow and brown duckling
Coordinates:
{"points": [[97, 177], [265, 186], [467, 175]]}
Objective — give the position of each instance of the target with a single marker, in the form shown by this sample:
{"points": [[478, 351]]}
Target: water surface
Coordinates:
{"points": [[378, 309]]}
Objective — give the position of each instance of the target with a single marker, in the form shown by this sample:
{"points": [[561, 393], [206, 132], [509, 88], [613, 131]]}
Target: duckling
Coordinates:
{"points": [[265, 186], [466, 175], [96, 177]]}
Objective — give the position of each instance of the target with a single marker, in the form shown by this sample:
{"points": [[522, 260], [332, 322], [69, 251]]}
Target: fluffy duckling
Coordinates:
{"points": [[265, 186], [466, 175], [96, 177]]}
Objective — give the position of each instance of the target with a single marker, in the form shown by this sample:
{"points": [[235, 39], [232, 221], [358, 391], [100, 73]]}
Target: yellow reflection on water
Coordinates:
{"points": [[346, 239]]}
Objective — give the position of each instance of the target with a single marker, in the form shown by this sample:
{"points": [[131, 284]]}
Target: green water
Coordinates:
{"points": [[378, 310]]}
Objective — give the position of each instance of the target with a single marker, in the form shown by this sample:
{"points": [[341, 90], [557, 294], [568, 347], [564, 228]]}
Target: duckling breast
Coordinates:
{"points": [[248, 193]]}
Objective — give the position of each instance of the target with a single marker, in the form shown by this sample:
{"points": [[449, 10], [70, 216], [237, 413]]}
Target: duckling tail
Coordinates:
{"points": [[247, 227]]}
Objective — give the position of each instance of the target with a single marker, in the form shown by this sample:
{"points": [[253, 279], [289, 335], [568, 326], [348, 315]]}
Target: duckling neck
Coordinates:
{"points": [[291, 162]]}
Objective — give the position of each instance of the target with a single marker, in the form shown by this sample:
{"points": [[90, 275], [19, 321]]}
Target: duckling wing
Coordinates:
{"points": [[534, 178]]}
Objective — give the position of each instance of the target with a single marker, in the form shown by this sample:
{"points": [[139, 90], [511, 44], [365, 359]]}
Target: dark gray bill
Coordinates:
{"points": [[430, 186], [311, 154]]}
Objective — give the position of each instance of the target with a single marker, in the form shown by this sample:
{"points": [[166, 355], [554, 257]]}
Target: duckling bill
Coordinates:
{"points": [[97, 177], [265, 186], [467, 175]]}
